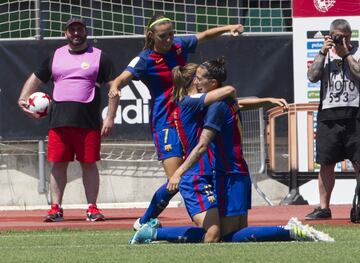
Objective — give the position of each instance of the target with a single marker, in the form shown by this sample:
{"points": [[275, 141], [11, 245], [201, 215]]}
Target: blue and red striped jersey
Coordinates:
{"points": [[189, 127], [224, 117], [154, 70]]}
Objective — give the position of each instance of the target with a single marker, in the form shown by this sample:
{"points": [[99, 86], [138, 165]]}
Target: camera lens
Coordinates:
{"points": [[338, 39]]}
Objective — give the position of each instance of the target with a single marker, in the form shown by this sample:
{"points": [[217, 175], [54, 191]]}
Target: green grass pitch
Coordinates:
{"points": [[111, 246]]}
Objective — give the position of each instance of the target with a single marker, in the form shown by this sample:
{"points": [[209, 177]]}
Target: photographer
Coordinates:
{"points": [[338, 128]]}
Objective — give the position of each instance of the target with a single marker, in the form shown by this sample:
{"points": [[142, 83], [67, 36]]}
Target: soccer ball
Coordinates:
{"points": [[39, 102]]}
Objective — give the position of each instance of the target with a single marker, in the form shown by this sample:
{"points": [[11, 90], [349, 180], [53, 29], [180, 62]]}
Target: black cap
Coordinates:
{"points": [[75, 20]]}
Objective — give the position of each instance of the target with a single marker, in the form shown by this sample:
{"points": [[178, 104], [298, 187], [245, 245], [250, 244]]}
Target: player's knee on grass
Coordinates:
{"points": [[210, 221], [231, 224], [213, 234]]}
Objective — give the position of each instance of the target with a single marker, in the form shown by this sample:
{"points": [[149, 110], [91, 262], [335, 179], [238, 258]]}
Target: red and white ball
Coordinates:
{"points": [[39, 102]]}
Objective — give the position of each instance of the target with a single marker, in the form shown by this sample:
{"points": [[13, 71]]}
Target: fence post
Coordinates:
{"points": [[294, 197], [42, 187], [38, 34]]}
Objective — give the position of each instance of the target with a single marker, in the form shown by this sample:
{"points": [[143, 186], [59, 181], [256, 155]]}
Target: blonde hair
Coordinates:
{"points": [[183, 77]]}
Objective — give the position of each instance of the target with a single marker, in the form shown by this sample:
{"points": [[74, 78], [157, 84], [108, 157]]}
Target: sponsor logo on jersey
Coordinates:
{"points": [[159, 60], [134, 105]]}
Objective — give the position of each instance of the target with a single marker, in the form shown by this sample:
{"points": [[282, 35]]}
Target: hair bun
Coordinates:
{"points": [[221, 61]]}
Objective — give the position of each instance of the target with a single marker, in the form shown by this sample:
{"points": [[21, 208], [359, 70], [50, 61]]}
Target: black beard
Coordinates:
{"points": [[79, 42]]}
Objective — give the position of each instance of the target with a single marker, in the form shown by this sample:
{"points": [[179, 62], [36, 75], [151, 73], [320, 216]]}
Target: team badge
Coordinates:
{"points": [[324, 5], [168, 147], [211, 199], [209, 193], [85, 65], [178, 51]]}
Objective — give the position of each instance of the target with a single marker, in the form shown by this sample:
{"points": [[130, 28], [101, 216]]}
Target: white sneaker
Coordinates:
{"points": [[137, 225], [147, 233], [301, 232], [321, 236]]}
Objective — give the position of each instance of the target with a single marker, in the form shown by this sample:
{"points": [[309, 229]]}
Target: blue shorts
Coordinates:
{"points": [[197, 192], [233, 194], [167, 143]]}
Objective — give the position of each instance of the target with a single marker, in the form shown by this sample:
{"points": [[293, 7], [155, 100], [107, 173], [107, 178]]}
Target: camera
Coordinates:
{"points": [[337, 39]]}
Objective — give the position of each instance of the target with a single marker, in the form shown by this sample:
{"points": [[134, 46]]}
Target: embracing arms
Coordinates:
{"points": [[207, 135]]}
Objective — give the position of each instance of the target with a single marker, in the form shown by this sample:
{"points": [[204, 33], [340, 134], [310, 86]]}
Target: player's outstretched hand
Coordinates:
{"points": [[236, 30], [280, 102], [174, 181], [113, 92], [24, 106], [107, 126]]}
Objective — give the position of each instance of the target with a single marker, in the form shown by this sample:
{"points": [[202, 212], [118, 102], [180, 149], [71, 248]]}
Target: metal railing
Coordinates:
{"points": [[293, 174]]}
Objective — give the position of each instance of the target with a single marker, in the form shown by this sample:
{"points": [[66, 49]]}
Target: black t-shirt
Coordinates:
{"points": [[77, 114]]}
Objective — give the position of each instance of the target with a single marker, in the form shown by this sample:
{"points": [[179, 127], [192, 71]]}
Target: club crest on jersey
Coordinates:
{"points": [[324, 5], [178, 51], [168, 147], [211, 199], [85, 65]]}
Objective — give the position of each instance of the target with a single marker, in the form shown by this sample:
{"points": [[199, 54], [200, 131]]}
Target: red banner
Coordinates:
{"points": [[319, 8]]}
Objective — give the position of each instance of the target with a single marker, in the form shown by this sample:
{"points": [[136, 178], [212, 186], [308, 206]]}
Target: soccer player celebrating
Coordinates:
{"points": [[161, 53], [232, 186]]}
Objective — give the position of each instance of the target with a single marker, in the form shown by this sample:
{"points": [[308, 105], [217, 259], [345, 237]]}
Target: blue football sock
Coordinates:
{"points": [[158, 203], [259, 234], [181, 234]]}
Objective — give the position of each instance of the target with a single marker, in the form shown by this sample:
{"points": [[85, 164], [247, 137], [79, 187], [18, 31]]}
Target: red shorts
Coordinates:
{"points": [[66, 142]]}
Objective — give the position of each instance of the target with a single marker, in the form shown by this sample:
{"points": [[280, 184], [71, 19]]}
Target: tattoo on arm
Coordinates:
{"points": [[112, 107], [316, 69], [207, 135]]}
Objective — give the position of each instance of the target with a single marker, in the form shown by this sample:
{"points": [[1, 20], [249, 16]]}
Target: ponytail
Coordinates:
{"points": [[215, 70], [182, 77]]}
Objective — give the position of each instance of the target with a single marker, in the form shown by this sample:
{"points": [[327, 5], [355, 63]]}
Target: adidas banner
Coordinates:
{"points": [[257, 66]]}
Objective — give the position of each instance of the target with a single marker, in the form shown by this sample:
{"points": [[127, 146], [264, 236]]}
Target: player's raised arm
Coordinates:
{"points": [[234, 30], [255, 102]]}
